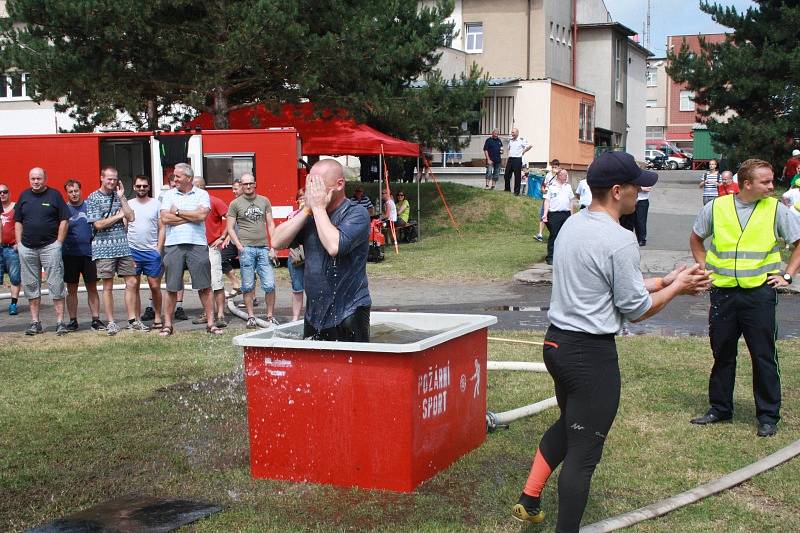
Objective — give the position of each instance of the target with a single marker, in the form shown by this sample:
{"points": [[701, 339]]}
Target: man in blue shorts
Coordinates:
{"points": [[146, 239]]}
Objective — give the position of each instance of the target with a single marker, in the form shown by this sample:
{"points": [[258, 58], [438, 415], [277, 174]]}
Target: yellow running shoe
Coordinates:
{"points": [[533, 516]]}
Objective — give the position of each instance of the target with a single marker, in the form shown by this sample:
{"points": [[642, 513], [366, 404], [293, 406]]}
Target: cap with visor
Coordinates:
{"points": [[613, 168]]}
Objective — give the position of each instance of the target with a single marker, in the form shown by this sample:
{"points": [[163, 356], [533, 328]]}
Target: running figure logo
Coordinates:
{"points": [[476, 377]]}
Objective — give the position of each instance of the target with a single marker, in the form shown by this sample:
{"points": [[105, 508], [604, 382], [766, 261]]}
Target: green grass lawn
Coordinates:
{"points": [[87, 421]]}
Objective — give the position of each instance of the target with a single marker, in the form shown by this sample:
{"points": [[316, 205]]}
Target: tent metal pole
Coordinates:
{"points": [[419, 198], [380, 184]]}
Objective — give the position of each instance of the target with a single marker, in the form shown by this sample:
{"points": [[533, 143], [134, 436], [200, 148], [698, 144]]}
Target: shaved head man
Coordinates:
{"points": [[334, 232]]}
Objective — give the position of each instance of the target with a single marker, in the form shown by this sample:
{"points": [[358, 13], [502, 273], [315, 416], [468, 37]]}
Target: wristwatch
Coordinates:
{"points": [[177, 212], [787, 278]]}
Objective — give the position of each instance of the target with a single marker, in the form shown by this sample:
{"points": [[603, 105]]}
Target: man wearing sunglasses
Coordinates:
{"points": [[9, 257]]}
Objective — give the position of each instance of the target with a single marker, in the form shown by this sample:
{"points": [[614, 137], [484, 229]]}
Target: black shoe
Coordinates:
{"points": [[708, 418], [767, 430], [149, 314], [61, 329], [34, 329], [642, 243], [72, 325], [180, 314], [97, 324]]}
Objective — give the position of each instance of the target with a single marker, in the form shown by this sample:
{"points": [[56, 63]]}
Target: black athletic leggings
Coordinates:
{"points": [[354, 328], [585, 371]]}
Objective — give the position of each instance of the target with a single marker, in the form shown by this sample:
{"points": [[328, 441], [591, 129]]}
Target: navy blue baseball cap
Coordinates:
{"points": [[612, 168]]}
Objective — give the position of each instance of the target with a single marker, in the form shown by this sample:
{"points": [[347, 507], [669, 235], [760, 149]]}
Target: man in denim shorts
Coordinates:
{"points": [[183, 211], [9, 257], [108, 210], [253, 215]]}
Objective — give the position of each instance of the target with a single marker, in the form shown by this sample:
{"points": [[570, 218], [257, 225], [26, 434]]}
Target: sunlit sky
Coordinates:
{"points": [[668, 17]]}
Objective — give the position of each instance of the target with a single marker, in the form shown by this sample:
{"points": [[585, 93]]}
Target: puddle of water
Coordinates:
{"points": [[131, 513]]}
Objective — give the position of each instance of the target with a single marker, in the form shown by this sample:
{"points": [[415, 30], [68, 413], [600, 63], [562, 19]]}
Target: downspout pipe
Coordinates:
{"points": [[574, 42], [528, 44]]}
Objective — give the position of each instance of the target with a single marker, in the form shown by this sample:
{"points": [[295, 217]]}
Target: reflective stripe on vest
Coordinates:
{"points": [[743, 257]]}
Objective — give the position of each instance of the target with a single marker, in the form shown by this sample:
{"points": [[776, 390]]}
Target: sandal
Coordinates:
{"points": [[157, 325], [235, 292], [214, 330], [166, 331]]}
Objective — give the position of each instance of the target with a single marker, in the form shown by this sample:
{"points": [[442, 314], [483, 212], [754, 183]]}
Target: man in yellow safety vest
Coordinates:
{"points": [[745, 264]]}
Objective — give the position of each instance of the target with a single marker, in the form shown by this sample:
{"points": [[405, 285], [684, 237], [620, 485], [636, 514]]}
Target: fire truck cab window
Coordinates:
{"points": [[221, 169]]}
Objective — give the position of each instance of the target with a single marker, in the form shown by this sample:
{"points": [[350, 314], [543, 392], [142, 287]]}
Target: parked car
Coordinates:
{"points": [[676, 158], [655, 159]]}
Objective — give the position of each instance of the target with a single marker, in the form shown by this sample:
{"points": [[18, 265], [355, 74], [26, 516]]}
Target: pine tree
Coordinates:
{"points": [[754, 73], [162, 58]]}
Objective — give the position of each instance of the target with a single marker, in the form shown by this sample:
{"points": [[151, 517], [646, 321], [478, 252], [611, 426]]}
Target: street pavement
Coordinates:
{"points": [[521, 303]]}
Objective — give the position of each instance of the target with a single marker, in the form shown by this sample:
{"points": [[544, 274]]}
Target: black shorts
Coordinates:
{"points": [[76, 266]]}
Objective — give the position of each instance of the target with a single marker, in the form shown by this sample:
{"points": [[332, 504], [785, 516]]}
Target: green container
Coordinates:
{"points": [[702, 147]]}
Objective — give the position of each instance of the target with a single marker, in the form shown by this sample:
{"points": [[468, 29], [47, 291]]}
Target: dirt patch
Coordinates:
{"points": [[756, 499]]}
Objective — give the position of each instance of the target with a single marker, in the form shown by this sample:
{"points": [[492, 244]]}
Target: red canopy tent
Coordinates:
{"points": [[327, 135]]}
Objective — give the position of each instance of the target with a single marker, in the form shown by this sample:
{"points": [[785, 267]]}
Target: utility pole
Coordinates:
{"points": [[647, 27]]}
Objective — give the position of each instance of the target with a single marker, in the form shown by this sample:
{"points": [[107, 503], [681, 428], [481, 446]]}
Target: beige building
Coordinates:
{"points": [[562, 72]]}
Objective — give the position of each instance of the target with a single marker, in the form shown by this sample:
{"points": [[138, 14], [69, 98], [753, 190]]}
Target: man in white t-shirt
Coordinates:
{"points": [[557, 209], [517, 146], [790, 199], [584, 194], [389, 207], [146, 239]]}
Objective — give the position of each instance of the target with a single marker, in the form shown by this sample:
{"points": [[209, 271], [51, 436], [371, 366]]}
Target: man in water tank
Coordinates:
{"points": [[334, 233]]}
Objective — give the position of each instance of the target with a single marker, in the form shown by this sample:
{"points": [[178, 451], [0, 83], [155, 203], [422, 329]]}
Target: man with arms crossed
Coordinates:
{"points": [[9, 257], [108, 209], [77, 256], [217, 238], [253, 214], [146, 238], [334, 232], [744, 259], [183, 211], [597, 285], [40, 226]]}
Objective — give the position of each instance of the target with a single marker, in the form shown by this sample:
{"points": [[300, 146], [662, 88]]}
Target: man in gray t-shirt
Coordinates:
{"points": [[596, 285]]}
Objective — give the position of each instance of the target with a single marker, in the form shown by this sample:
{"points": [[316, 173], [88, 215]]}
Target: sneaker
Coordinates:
{"points": [[221, 323], [12, 309], [112, 329], [539, 237], [34, 329], [527, 510], [251, 323], [272, 320], [61, 329], [149, 314], [200, 320], [97, 324], [72, 325], [180, 314], [137, 325]]}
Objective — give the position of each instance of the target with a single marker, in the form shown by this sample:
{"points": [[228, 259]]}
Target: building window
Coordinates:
{"points": [[474, 35], [651, 75], [497, 113], [14, 87], [569, 39], [221, 169], [563, 35], [655, 132], [586, 122], [651, 103], [551, 30], [687, 104], [618, 70]]}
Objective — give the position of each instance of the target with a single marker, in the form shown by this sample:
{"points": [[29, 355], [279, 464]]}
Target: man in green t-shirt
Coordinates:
{"points": [[252, 213]]}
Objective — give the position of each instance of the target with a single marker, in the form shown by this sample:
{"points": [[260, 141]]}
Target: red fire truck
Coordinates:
{"points": [[219, 156]]}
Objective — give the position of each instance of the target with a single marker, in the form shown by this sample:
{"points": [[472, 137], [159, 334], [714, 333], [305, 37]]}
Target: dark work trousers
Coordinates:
{"points": [[585, 372], [555, 219], [354, 328], [513, 165], [640, 222], [750, 312]]}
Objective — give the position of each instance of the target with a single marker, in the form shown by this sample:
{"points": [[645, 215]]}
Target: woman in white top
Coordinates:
{"points": [[710, 182]]}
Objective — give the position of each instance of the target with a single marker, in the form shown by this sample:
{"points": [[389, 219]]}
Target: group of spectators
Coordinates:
{"points": [[108, 235], [395, 209]]}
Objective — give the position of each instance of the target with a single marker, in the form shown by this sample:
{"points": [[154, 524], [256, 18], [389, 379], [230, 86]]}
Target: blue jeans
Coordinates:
{"points": [[493, 171], [297, 275], [255, 260], [9, 262]]}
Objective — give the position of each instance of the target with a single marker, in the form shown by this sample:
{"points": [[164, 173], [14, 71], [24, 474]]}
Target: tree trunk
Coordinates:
{"points": [[152, 115], [221, 109]]}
